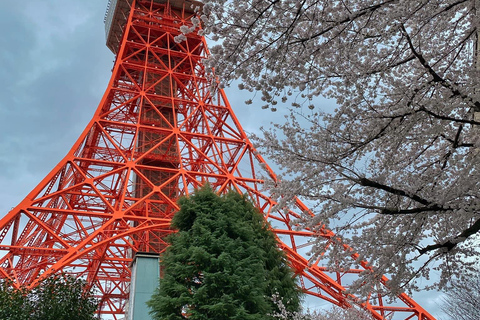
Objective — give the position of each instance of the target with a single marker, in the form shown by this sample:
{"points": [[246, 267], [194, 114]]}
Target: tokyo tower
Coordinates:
{"points": [[158, 133]]}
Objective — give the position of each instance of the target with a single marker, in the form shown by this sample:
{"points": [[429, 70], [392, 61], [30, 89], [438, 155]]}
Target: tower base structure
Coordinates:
{"points": [[159, 133], [144, 281]]}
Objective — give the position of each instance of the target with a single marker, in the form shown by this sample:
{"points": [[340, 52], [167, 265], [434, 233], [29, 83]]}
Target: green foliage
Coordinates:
{"points": [[56, 298], [14, 304], [223, 263]]}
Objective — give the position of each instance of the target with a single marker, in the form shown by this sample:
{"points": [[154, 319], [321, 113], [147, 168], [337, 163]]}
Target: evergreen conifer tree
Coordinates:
{"points": [[223, 263]]}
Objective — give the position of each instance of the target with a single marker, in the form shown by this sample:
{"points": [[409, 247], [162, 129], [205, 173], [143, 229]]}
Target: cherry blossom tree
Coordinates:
{"points": [[395, 169], [462, 300]]}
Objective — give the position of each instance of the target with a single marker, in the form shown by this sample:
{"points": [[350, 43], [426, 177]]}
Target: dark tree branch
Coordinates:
{"points": [[395, 211], [370, 183], [436, 77], [351, 18], [422, 108], [450, 244], [459, 145]]}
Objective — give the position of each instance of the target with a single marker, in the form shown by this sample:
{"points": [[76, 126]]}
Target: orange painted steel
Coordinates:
{"points": [[158, 133]]}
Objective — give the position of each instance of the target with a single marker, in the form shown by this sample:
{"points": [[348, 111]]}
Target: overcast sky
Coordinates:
{"points": [[55, 68]]}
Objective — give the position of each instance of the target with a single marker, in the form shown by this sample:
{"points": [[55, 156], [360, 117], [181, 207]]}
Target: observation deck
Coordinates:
{"points": [[118, 12]]}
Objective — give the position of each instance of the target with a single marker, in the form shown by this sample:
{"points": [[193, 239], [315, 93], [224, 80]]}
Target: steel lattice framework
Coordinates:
{"points": [[158, 133]]}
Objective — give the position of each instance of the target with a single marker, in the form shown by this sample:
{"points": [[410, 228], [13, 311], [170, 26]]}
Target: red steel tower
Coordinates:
{"points": [[158, 133]]}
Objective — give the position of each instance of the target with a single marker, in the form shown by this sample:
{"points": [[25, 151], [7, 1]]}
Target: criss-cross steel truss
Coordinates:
{"points": [[158, 133]]}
